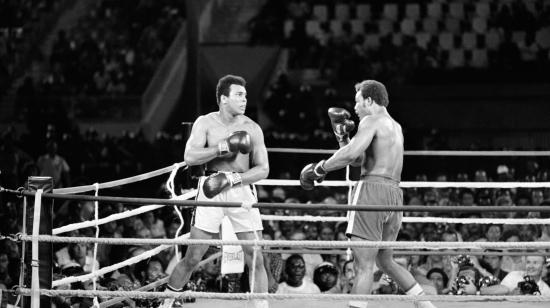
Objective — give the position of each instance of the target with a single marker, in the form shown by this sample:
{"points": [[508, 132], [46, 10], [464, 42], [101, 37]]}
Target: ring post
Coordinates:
{"points": [[45, 250]]}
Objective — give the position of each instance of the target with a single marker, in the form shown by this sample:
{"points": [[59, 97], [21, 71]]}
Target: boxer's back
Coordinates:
{"points": [[384, 156]]}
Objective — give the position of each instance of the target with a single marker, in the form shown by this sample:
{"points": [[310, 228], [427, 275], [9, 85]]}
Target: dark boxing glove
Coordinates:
{"points": [[341, 124], [236, 142], [310, 173], [216, 183]]}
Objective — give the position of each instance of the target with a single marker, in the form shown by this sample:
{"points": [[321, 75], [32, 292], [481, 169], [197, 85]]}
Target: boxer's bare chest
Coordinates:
{"points": [[217, 130]]}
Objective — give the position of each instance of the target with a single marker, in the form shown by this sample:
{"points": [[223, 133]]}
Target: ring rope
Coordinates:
{"points": [[118, 216], [421, 153], [408, 219], [417, 184], [129, 180], [278, 296], [410, 252], [110, 218], [113, 267], [171, 188], [411, 219], [299, 206], [270, 243], [157, 283]]}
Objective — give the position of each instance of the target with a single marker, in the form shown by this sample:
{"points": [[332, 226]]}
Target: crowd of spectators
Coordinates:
{"points": [[21, 23], [102, 65], [397, 45], [114, 49]]}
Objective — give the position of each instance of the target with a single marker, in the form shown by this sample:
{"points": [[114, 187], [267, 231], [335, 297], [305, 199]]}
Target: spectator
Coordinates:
{"points": [[439, 279], [154, 225], [494, 264], [325, 277], [512, 263], [294, 282], [80, 258], [467, 197], [155, 271], [527, 233], [537, 197], [347, 277], [311, 260], [492, 234], [55, 166], [512, 283], [465, 276]]}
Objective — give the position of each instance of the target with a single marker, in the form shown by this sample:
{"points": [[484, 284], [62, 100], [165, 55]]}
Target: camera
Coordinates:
{"points": [[463, 260], [528, 286], [488, 281], [460, 282]]}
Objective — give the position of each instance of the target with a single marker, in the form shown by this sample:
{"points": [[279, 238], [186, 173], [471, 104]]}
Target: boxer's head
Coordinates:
{"points": [[374, 90], [228, 83]]}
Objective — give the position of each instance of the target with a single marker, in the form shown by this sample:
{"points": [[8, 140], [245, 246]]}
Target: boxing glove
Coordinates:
{"points": [[216, 183], [341, 124], [238, 141], [310, 173]]}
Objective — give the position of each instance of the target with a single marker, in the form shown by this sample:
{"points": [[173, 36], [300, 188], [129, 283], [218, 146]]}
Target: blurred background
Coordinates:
{"points": [[111, 87], [105, 78]]}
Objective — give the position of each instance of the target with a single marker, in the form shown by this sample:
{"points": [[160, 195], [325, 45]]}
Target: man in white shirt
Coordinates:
{"points": [[295, 269], [509, 285]]}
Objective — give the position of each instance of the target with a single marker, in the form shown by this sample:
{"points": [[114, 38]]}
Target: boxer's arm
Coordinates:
{"points": [[259, 160], [355, 149], [357, 162], [195, 151]]}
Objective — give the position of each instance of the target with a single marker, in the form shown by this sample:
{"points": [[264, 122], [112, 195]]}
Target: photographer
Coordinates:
{"points": [[522, 282], [464, 276]]}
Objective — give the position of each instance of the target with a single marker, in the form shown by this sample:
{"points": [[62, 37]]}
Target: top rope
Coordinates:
{"points": [[421, 153]]}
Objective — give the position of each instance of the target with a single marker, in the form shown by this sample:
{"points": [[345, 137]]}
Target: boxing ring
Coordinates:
{"points": [[205, 299]]}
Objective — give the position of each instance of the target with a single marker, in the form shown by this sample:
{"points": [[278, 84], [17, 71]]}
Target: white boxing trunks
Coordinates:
{"points": [[209, 219]]}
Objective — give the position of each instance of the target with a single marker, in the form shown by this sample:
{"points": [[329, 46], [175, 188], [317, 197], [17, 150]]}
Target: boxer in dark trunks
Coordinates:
{"points": [[378, 149]]}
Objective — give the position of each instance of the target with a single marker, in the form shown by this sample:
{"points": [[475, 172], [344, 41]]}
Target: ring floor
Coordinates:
{"points": [[202, 303]]}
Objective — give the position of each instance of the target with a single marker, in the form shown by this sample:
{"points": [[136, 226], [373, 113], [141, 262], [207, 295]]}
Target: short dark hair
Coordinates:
{"points": [[441, 272], [224, 84], [375, 90], [509, 233]]}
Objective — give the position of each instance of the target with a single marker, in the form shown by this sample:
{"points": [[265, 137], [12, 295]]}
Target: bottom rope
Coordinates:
{"points": [[250, 296]]}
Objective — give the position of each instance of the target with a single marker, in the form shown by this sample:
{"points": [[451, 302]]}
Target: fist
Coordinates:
{"points": [[216, 183], [236, 142], [341, 124], [310, 173]]}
